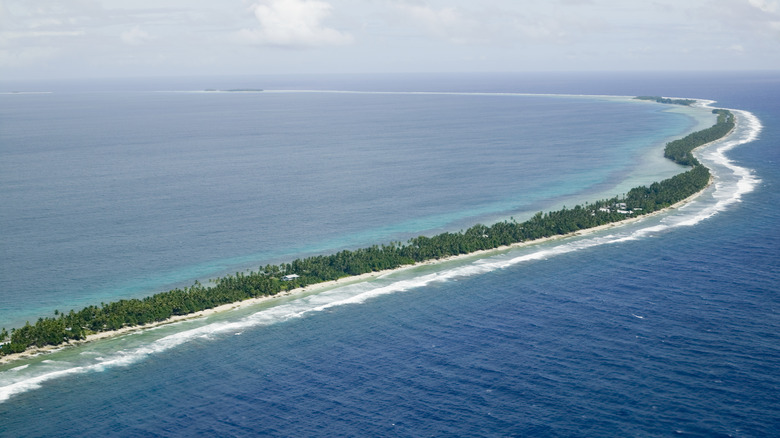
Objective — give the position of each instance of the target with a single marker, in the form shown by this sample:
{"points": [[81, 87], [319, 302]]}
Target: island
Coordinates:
{"points": [[659, 99], [76, 325]]}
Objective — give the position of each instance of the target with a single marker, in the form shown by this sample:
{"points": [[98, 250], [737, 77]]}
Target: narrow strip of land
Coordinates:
{"points": [[321, 272]]}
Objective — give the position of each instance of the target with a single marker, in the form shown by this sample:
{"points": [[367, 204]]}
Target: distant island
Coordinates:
{"points": [[659, 99], [235, 90], [75, 326]]}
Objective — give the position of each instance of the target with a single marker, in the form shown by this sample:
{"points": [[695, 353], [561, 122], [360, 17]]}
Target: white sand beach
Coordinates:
{"points": [[318, 287]]}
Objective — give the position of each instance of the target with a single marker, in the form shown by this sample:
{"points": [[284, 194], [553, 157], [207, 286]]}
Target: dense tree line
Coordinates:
{"points": [[269, 280], [659, 99], [679, 151]]}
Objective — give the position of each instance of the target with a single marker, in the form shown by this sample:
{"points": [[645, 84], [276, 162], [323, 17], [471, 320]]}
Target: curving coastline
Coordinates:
{"points": [[421, 250]]}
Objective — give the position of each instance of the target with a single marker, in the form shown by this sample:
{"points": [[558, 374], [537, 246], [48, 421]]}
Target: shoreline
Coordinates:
{"points": [[33, 352], [319, 287]]}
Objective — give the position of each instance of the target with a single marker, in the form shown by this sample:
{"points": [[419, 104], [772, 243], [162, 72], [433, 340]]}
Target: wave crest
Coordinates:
{"points": [[731, 183]]}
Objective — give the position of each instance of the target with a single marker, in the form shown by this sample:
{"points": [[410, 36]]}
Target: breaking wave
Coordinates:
{"points": [[731, 182]]}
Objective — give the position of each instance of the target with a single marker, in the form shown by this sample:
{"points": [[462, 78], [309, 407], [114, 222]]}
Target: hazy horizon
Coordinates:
{"points": [[97, 39]]}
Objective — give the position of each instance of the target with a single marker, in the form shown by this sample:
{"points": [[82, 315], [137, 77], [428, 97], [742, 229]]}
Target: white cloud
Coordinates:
{"points": [[542, 30], [41, 34], [18, 58], [766, 5], [450, 23], [753, 21], [135, 36], [293, 23], [505, 24], [436, 20], [41, 38]]}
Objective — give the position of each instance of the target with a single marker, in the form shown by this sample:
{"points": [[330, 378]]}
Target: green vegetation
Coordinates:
{"points": [[268, 281], [659, 99], [679, 151]]}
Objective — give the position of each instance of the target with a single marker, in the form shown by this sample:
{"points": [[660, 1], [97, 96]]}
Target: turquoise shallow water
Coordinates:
{"points": [[121, 194], [668, 326]]}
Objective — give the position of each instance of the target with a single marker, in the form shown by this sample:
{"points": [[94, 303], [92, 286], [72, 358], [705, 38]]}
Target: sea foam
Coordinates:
{"points": [[731, 183]]}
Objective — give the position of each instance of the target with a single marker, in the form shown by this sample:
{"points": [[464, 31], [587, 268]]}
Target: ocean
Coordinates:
{"points": [[667, 326]]}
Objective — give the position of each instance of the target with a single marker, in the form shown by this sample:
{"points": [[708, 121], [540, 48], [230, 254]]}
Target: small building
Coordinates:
{"points": [[290, 277]]}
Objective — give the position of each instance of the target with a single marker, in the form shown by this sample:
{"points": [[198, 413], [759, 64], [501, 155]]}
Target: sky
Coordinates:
{"points": [[50, 39]]}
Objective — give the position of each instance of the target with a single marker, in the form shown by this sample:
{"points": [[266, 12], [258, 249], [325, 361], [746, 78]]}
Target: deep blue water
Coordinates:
{"points": [[655, 329]]}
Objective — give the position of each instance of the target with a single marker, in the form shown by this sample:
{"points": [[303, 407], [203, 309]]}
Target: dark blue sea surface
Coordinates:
{"points": [[664, 327]]}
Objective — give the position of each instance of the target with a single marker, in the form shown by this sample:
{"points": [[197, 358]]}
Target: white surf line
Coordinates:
{"points": [[400, 93], [443, 93], [25, 92], [726, 194]]}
